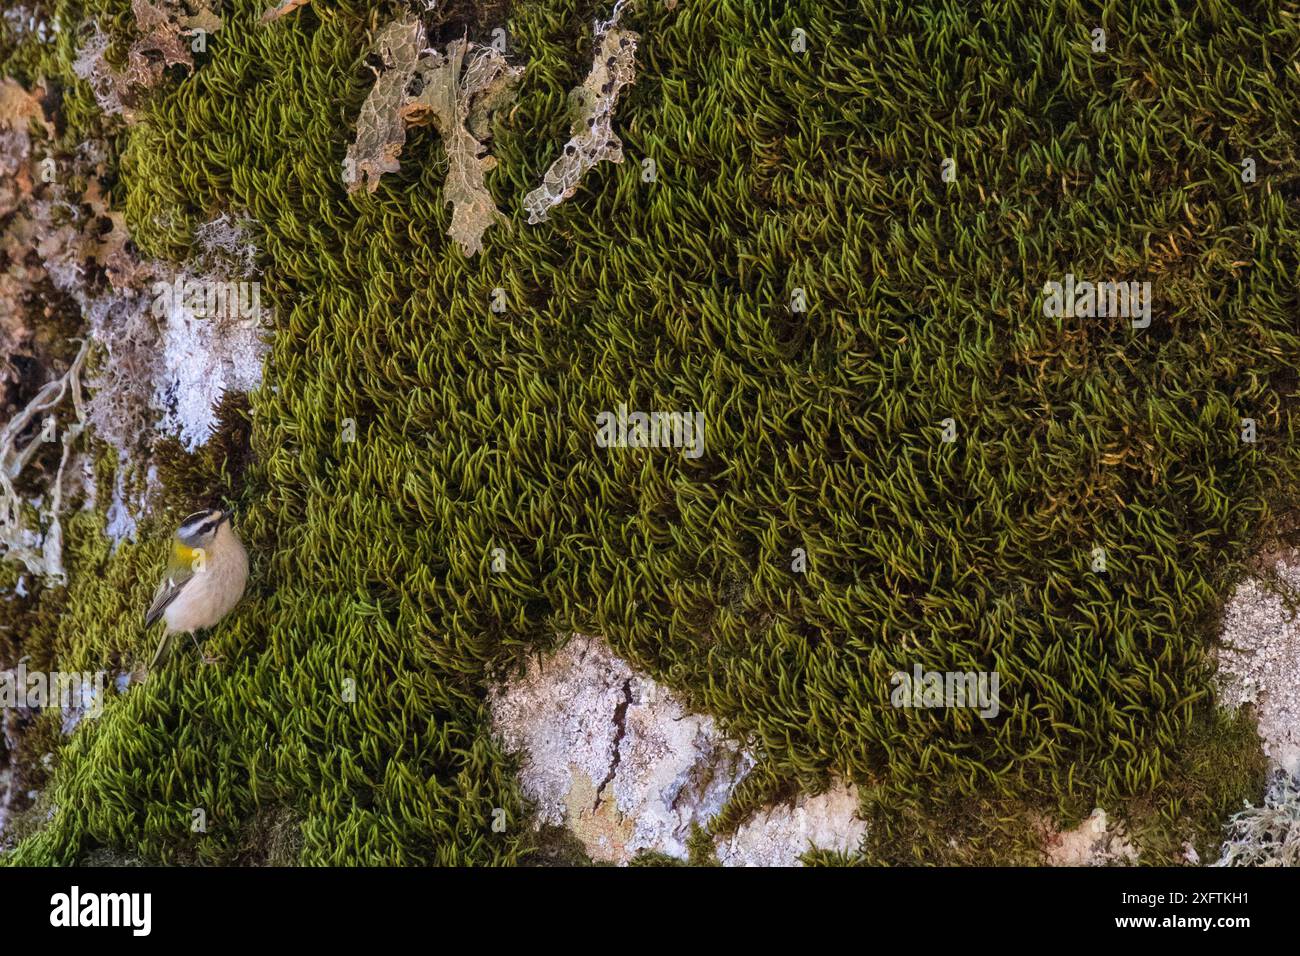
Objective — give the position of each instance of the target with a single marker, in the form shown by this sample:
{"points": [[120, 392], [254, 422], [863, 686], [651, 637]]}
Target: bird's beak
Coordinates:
{"points": [[225, 516]]}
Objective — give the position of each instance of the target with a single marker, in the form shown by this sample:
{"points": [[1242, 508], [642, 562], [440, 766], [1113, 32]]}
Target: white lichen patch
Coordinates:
{"points": [[777, 837], [202, 358], [225, 246], [1259, 661], [612, 755], [91, 65], [123, 507], [622, 762], [1094, 842]]}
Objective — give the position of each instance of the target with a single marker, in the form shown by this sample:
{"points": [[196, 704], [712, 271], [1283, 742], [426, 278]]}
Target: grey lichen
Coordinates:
{"points": [[455, 93], [21, 536], [593, 137], [167, 34], [1267, 835]]}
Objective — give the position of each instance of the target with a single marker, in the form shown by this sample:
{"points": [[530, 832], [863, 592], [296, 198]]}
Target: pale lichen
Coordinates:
{"points": [[1097, 841], [780, 835], [1267, 835], [455, 92], [22, 538], [1259, 658], [168, 33], [593, 139], [622, 762], [381, 129]]}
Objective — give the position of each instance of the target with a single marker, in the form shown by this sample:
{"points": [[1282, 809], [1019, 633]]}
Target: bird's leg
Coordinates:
{"points": [[207, 658]]}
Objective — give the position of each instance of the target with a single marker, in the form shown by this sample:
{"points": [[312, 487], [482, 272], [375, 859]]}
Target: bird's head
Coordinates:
{"points": [[199, 530]]}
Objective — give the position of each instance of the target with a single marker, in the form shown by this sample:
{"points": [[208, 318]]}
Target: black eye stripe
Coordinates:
{"points": [[206, 524]]}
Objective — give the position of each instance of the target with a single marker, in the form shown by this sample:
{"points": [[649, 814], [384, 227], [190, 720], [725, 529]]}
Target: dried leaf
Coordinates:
{"points": [[454, 102], [593, 137], [18, 109], [283, 7], [204, 20], [106, 239], [381, 131], [165, 26], [457, 92]]}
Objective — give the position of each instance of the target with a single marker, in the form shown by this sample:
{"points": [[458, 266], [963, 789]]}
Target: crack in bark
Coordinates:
{"points": [[620, 728]]}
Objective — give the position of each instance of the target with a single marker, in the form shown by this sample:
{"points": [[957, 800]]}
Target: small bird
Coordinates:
{"points": [[205, 578]]}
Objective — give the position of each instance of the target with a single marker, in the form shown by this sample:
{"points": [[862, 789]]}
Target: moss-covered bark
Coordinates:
{"points": [[474, 428]]}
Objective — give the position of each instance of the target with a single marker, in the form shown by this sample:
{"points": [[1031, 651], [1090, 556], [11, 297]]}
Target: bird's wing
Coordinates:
{"points": [[177, 575]]}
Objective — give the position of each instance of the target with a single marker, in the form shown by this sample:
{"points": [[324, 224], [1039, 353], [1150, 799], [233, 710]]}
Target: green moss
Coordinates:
{"points": [[556, 846], [1218, 765], [272, 838], [946, 829], [474, 430], [700, 848], [653, 858], [214, 475]]}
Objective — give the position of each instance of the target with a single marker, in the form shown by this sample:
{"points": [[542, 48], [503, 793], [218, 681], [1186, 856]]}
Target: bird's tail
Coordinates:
{"points": [[163, 652]]}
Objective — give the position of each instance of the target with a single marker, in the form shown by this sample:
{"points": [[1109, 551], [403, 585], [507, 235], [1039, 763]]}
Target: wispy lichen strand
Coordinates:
{"points": [[593, 137]]}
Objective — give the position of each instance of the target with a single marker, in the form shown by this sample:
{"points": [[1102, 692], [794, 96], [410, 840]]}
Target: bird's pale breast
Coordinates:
{"points": [[212, 592]]}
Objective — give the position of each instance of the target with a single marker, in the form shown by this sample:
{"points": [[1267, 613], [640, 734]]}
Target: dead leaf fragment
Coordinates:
{"points": [[593, 138], [167, 29], [283, 7], [107, 236], [454, 102], [161, 45], [18, 107], [204, 20], [455, 93], [166, 26]]}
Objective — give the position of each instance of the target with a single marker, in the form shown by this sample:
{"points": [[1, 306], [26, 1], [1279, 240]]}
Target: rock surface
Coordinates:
{"points": [[1094, 842], [623, 763]]}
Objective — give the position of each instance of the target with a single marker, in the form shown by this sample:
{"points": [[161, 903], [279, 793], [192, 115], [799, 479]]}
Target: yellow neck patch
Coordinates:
{"points": [[183, 553]]}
